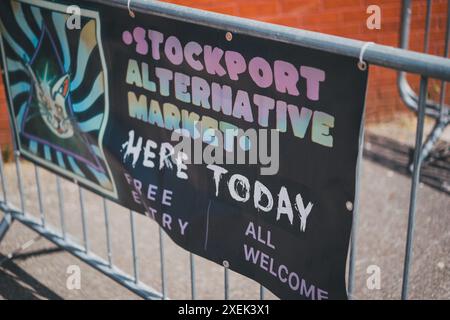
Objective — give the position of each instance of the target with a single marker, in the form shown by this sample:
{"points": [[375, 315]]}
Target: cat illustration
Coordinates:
{"points": [[58, 94], [51, 97]]}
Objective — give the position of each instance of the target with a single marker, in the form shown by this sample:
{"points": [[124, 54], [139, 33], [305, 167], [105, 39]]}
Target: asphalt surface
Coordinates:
{"points": [[40, 271]]}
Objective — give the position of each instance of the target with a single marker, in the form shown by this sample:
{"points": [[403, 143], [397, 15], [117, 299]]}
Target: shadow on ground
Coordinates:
{"points": [[435, 171], [17, 284]]}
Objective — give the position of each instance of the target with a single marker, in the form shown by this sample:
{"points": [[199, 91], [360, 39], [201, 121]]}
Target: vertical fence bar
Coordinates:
{"points": [[426, 40], [427, 146], [19, 180], [444, 83], [83, 219], [108, 233], [17, 162], [415, 181], [351, 267], [261, 292], [61, 206], [352, 258], [192, 264], [163, 269], [134, 248], [39, 194], [417, 162], [3, 176], [6, 220], [355, 212], [5, 224], [226, 281], [406, 23]]}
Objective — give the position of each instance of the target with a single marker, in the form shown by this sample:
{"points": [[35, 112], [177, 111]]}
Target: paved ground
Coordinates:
{"points": [[39, 272]]}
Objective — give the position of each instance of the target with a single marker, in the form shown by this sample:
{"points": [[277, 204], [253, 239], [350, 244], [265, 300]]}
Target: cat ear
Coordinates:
{"points": [[61, 86]]}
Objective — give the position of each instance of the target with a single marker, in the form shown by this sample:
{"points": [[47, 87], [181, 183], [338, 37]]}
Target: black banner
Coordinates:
{"points": [[107, 100]]}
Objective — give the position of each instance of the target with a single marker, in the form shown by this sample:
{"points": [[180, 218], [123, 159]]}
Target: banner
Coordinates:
{"points": [[243, 149]]}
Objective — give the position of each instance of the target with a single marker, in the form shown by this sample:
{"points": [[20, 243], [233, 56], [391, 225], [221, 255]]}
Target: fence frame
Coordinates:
{"points": [[428, 66], [435, 109]]}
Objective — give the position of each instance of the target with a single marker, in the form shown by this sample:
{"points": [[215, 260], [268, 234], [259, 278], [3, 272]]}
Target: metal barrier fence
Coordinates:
{"points": [[435, 109], [427, 66], [420, 104]]}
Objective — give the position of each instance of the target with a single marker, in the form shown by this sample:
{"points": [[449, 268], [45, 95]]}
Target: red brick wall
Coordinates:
{"points": [[347, 18], [339, 17], [5, 136]]}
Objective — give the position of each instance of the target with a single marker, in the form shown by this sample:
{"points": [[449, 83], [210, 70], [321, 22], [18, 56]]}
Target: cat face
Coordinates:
{"points": [[51, 97]]}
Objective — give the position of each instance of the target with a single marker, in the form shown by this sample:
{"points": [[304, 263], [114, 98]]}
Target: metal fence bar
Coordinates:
{"points": [[406, 61], [108, 232], [355, 212], [415, 181], [426, 40], [5, 223], [261, 292], [161, 259], [192, 264], [443, 119], [134, 248], [61, 207], [78, 251], [19, 180], [442, 96], [352, 257], [445, 55], [407, 93], [226, 282], [83, 219], [39, 194], [3, 176], [418, 157], [381, 55], [353, 248]]}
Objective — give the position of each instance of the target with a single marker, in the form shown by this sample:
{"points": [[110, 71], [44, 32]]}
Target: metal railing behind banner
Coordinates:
{"points": [[438, 110], [427, 66]]}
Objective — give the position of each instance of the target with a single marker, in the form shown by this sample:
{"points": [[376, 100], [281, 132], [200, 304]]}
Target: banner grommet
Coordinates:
{"points": [[362, 65], [130, 12]]}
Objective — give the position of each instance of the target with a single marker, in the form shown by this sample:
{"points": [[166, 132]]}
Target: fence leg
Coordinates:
{"points": [[414, 184]]}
